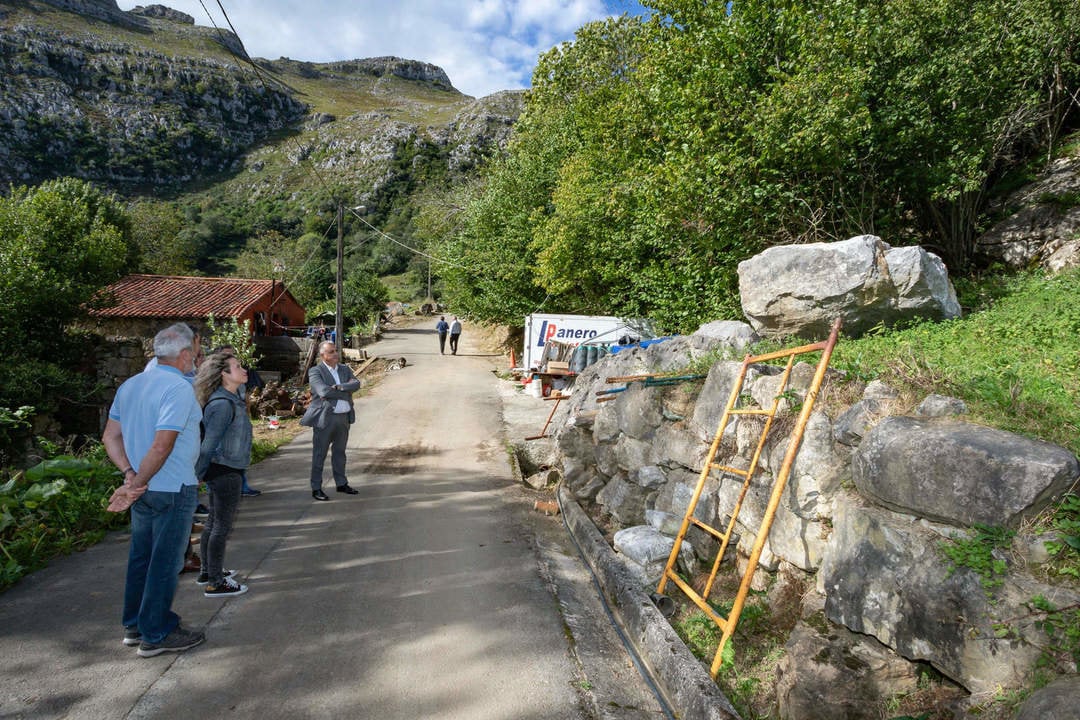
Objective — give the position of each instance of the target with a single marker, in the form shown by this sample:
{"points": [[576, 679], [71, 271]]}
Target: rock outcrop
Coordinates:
{"points": [[801, 289], [85, 94], [114, 112], [1042, 221]]}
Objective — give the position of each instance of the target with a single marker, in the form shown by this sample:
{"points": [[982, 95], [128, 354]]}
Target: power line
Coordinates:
{"points": [[407, 247], [306, 164]]}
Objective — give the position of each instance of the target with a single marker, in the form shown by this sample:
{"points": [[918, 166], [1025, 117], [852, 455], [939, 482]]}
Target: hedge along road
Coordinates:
{"points": [[434, 593]]}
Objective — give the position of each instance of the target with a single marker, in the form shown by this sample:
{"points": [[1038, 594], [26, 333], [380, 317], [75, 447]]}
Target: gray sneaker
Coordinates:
{"points": [[178, 640], [132, 636]]}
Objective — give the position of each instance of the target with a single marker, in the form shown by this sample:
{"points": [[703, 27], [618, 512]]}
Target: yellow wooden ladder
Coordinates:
{"points": [[727, 624]]}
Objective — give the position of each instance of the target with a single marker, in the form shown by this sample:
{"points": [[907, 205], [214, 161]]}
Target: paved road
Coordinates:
{"points": [[434, 593]]}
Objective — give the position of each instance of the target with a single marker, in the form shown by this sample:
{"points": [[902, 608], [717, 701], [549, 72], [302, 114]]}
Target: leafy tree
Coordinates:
{"points": [[494, 264], [439, 218], [60, 243], [158, 231], [363, 296]]}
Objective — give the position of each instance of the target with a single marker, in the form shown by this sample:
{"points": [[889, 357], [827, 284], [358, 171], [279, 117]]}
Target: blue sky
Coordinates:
{"points": [[483, 45]]}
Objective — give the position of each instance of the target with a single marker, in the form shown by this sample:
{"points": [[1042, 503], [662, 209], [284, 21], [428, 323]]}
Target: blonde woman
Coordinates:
{"points": [[224, 455]]}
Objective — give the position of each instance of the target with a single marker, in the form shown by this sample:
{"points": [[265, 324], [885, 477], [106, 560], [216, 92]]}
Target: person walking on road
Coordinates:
{"points": [[455, 335], [329, 415], [152, 434], [224, 454], [442, 328]]}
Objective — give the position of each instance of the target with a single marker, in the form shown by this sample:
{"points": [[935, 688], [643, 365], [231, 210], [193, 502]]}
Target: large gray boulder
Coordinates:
{"points": [[801, 289], [960, 473], [885, 575], [623, 500], [828, 672], [1056, 701], [724, 334]]}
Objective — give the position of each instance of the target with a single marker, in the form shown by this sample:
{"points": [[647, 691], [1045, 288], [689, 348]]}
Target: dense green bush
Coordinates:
{"points": [[60, 244], [53, 508]]}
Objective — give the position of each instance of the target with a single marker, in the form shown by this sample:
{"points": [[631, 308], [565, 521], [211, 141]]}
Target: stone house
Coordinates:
{"points": [[146, 303]]}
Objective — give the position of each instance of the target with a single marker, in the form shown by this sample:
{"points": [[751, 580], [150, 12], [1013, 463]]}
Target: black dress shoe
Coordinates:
{"points": [[348, 490], [319, 495]]}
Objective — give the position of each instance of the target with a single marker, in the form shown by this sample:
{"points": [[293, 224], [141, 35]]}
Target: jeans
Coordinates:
{"points": [[223, 499], [160, 527], [453, 343], [442, 343]]}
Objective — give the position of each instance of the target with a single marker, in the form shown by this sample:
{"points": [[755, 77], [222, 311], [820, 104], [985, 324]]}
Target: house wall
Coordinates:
{"points": [[285, 313], [283, 354]]}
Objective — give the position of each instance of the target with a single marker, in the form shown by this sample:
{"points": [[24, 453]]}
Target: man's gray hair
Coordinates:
{"points": [[323, 345], [170, 342]]}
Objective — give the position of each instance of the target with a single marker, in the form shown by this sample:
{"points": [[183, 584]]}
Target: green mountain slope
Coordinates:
{"points": [[162, 111]]}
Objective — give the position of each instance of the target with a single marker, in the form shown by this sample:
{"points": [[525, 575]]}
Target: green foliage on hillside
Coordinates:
{"points": [[654, 156]]}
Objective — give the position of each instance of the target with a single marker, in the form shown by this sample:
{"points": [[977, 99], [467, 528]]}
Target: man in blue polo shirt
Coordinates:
{"points": [[152, 434]]}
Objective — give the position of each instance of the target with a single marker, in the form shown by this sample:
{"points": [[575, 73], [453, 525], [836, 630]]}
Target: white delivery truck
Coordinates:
{"points": [[576, 330]]}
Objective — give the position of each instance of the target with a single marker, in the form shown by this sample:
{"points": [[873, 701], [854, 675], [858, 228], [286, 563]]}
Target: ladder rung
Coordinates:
{"points": [[733, 471], [707, 528], [752, 411], [691, 593]]}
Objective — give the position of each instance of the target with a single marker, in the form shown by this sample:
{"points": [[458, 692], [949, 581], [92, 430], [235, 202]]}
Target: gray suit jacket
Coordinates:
{"points": [[324, 395]]}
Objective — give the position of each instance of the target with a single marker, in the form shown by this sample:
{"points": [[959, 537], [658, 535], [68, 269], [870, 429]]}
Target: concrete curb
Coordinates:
{"points": [[684, 682]]}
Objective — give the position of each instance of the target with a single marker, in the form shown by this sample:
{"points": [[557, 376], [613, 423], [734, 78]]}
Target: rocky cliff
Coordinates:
{"points": [[146, 99]]}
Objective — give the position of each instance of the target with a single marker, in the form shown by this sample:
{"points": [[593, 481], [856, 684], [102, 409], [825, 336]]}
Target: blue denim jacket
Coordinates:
{"points": [[227, 438]]}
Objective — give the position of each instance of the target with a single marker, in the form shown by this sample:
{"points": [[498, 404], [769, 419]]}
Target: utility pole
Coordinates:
{"points": [[339, 320]]}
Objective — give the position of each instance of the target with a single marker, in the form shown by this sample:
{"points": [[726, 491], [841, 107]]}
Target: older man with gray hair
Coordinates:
{"points": [[152, 434]]}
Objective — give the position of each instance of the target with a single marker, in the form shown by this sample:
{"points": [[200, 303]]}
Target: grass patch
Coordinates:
{"points": [[748, 674], [1015, 359], [266, 441], [403, 288]]}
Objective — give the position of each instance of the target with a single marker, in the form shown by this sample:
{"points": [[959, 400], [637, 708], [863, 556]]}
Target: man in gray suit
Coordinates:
{"points": [[330, 414]]}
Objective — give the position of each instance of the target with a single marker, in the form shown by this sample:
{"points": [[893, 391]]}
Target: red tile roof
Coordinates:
{"points": [[175, 296]]}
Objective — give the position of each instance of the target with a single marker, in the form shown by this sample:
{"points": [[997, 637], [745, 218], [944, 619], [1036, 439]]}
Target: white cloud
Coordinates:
{"points": [[483, 45]]}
